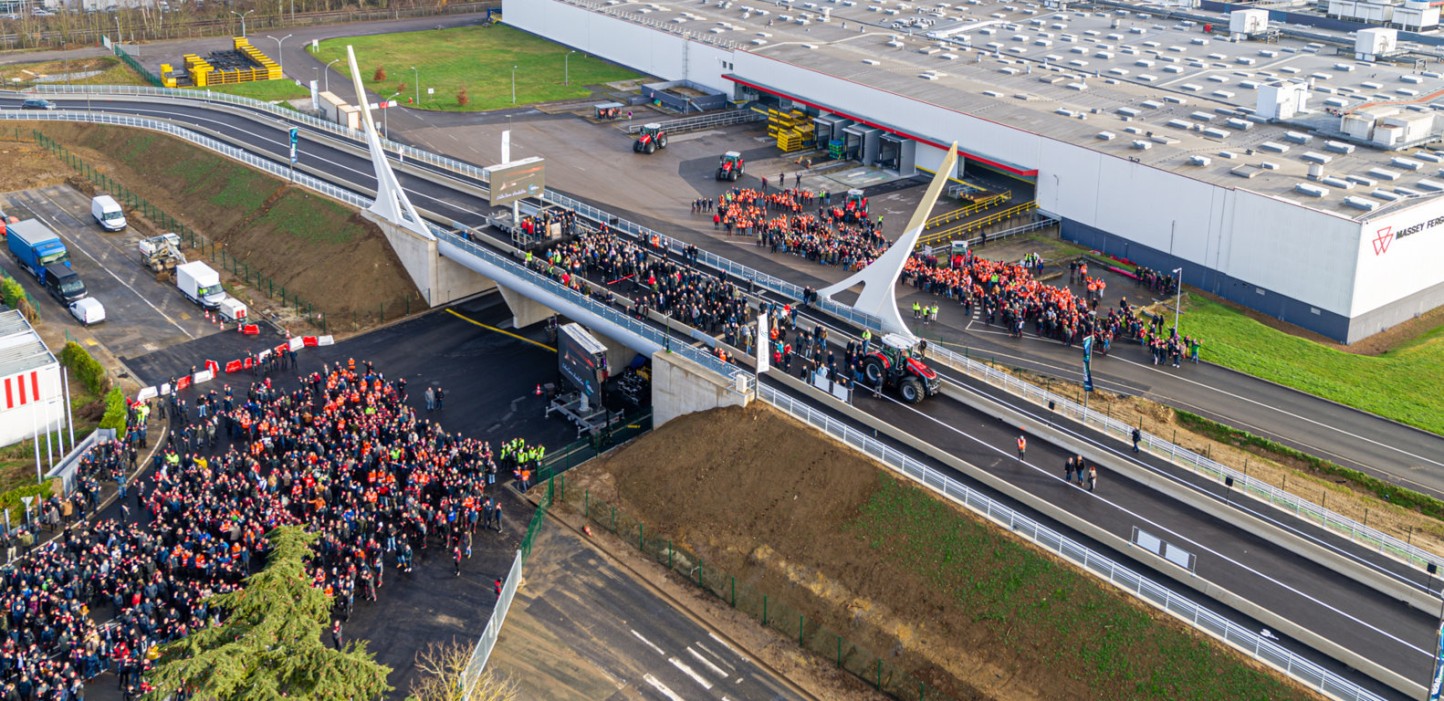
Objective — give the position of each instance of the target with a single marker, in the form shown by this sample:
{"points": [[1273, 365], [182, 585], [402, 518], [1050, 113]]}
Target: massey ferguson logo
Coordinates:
{"points": [[1382, 239]]}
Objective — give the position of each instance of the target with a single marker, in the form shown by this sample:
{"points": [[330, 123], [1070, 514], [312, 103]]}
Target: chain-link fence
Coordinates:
{"points": [[784, 615], [599, 442]]}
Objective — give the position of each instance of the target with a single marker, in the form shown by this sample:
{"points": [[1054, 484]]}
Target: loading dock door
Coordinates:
{"points": [[889, 153], [908, 159], [853, 138], [871, 145]]}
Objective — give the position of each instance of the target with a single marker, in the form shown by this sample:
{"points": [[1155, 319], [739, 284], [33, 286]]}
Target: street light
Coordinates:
{"points": [[328, 74], [416, 78], [567, 68], [242, 15], [513, 85], [386, 118], [279, 58], [1178, 279]]}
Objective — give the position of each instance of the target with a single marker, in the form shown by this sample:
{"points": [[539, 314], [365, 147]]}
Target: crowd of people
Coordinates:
{"points": [[342, 454], [783, 221]]}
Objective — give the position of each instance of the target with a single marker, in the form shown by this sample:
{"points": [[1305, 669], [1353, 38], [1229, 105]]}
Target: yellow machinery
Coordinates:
{"points": [[249, 64], [793, 130]]}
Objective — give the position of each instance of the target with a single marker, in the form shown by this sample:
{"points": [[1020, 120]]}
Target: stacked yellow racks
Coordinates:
{"points": [[792, 130], [271, 70], [199, 69]]}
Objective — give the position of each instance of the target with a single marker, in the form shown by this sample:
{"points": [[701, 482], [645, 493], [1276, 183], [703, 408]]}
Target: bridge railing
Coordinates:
{"points": [[1246, 641], [1200, 464]]}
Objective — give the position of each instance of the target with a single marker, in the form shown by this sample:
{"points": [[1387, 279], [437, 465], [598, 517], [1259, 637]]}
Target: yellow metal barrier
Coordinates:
{"points": [[976, 225], [970, 209]]}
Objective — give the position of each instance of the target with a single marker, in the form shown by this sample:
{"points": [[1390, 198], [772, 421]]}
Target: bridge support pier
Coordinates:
{"points": [[681, 386], [439, 279], [618, 354], [524, 310]]}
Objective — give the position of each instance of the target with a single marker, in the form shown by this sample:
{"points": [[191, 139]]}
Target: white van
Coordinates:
{"points": [[107, 213], [87, 311]]}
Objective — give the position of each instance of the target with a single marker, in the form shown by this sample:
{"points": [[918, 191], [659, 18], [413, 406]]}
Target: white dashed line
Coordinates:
{"points": [[708, 663], [649, 643], [659, 686], [689, 672]]}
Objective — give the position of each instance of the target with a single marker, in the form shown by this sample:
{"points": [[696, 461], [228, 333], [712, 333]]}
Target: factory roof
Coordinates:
{"points": [[1137, 82], [21, 349]]}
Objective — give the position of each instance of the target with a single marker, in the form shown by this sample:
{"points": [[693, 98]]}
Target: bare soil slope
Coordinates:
{"points": [[937, 591], [313, 247]]}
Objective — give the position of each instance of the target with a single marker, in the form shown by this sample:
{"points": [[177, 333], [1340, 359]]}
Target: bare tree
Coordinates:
{"points": [[441, 666]]}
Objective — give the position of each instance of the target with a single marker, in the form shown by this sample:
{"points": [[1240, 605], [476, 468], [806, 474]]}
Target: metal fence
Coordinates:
{"points": [[65, 469], [1200, 464], [1302, 670]]}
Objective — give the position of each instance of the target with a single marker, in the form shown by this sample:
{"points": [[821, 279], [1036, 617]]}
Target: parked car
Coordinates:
{"points": [[64, 285], [37, 103], [87, 311]]}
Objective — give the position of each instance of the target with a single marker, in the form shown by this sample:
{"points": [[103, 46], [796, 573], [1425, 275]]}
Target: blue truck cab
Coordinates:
{"points": [[36, 247]]}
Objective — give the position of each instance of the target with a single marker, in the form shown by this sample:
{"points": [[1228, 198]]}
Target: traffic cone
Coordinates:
{"points": [[538, 389], [587, 529]]}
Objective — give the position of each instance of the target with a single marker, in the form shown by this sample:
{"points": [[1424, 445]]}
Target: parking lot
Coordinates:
{"points": [[142, 314]]}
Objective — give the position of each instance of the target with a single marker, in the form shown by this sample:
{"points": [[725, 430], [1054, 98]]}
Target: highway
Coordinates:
{"points": [[1335, 607]]}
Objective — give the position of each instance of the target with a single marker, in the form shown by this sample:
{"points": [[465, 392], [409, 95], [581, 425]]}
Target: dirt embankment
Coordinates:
{"points": [[318, 250], [957, 602]]}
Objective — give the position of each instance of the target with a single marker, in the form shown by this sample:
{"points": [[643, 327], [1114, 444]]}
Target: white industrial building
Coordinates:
{"points": [[1294, 177], [32, 397]]}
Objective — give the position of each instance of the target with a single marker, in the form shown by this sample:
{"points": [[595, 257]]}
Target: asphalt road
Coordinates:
{"points": [[142, 314], [619, 638], [440, 199]]}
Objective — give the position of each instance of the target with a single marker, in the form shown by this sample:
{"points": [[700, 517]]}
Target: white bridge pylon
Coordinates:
{"points": [[391, 203], [879, 278]]}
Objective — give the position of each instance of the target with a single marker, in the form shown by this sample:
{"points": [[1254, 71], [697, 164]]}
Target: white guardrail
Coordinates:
{"points": [[1303, 670], [1200, 464], [1242, 639], [482, 652]]}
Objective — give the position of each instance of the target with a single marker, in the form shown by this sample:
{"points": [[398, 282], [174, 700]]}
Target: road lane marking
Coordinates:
{"points": [[648, 642], [108, 271], [708, 663], [659, 686], [719, 659], [689, 672]]}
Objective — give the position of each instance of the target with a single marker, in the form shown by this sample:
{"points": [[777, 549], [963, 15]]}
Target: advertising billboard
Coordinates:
{"points": [[582, 359], [517, 180]]}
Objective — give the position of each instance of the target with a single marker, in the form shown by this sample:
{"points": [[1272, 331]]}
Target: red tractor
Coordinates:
{"points": [[651, 138], [897, 363], [854, 206], [732, 166]]}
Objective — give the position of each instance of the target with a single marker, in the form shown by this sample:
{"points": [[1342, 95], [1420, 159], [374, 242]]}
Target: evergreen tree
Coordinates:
{"points": [[270, 644]]}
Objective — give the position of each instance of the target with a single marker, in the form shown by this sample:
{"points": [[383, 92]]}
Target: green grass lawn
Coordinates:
{"points": [[1398, 384], [476, 58], [265, 90], [1039, 612]]}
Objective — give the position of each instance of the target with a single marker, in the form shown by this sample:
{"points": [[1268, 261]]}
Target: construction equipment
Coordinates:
{"points": [[732, 166], [854, 206], [651, 138], [161, 253], [897, 363]]}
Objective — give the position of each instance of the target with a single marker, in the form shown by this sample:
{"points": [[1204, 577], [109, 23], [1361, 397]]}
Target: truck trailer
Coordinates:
{"points": [[36, 247]]}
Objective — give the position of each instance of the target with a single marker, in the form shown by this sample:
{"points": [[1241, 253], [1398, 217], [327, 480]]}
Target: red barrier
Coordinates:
{"points": [[248, 363], [251, 329], [213, 366], [308, 341], [233, 366], [183, 383], [278, 350]]}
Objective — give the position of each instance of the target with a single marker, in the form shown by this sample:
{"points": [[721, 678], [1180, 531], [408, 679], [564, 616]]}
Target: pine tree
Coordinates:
{"points": [[272, 643]]}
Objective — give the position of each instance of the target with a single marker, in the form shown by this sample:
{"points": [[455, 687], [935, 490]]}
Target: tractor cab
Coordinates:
{"points": [[897, 364], [732, 166], [854, 205], [650, 138]]}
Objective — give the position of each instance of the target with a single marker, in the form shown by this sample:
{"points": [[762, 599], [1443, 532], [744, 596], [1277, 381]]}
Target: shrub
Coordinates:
{"points": [[11, 501], [115, 412], [380, 74], [13, 295], [461, 98], [86, 368]]}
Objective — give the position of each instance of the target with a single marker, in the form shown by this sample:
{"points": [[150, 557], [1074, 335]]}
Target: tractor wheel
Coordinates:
{"points": [[651, 147], [911, 389], [872, 368], [721, 174], [662, 141], [636, 147]]}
